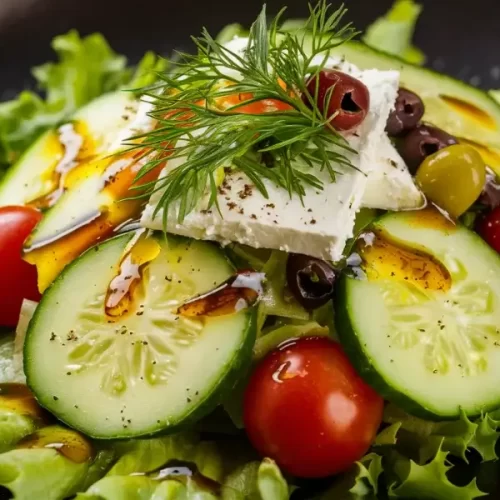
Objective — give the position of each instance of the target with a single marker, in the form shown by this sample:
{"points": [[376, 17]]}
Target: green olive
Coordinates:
{"points": [[453, 178]]}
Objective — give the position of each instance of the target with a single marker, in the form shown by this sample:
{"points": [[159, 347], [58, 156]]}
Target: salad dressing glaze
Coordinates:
{"points": [[121, 291], [469, 111], [382, 258], [68, 443], [238, 292]]}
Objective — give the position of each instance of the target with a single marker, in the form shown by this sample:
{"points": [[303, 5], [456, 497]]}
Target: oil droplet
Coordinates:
{"points": [[142, 250], [18, 398], [68, 443], [238, 292], [383, 259], [470, 112]]}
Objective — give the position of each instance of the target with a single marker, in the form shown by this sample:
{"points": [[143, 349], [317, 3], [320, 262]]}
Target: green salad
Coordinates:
{"points": [[266, 269]]}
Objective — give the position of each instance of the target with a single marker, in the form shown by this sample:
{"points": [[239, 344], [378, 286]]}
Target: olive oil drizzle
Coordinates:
{"points": [[139, 253], [383, 258], [238, 292]]}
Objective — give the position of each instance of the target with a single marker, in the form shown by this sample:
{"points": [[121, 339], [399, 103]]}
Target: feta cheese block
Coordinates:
{"points": [[321, 225], [390, 185]]}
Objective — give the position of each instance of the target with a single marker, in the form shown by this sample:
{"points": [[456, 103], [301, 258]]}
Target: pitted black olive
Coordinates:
{"points": [[422, 142], [407, 113], [311, 281]]}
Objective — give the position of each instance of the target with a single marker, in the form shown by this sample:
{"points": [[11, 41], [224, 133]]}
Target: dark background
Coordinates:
{"points": [[461, 37]]}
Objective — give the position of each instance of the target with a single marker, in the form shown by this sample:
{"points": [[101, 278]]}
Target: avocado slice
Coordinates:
{"points": [[454, 106]]}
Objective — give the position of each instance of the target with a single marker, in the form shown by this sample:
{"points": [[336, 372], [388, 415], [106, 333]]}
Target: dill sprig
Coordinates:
{"points": [[276, 64]]}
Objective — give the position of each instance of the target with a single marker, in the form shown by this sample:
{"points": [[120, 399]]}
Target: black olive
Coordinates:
{"points": [[310, 280], [407, 113], [491, 192], [422, 142]]}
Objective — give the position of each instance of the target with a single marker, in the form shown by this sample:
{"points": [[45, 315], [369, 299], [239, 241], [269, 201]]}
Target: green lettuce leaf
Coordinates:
{"points": [[393, 32], [256, 481], [420, 439], [145, 488], [277, 300], [86, 68], [103, 459], [360, 482], [13, 427], [411, 455], [146, 455], [429, 481], [40, 473], [146, 72]]}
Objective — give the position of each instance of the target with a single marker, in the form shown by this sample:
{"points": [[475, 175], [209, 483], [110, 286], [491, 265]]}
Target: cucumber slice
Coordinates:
{"points": [[95, 128], [148, 370], [456, 107], [424, 331]]}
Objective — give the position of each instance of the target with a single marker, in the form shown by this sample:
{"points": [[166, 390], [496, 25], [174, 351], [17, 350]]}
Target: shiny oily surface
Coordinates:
{"points": [[67, 442], [453, 178], [408, 111], [385, 259]]}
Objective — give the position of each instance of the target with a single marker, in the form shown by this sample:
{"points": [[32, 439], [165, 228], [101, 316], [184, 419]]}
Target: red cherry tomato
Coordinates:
{"points": [[489, 228], [349, 99], [308, 409], [19, 279]]}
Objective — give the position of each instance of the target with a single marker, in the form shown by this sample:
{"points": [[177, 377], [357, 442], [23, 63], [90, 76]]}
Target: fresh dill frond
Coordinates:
{"points": [[195, 126]]}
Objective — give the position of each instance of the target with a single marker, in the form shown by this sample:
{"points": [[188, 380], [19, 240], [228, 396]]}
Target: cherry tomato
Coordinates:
{"points": [[341, 96], [19, 278], [253, 108], [308, 409], [489, 228]]}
